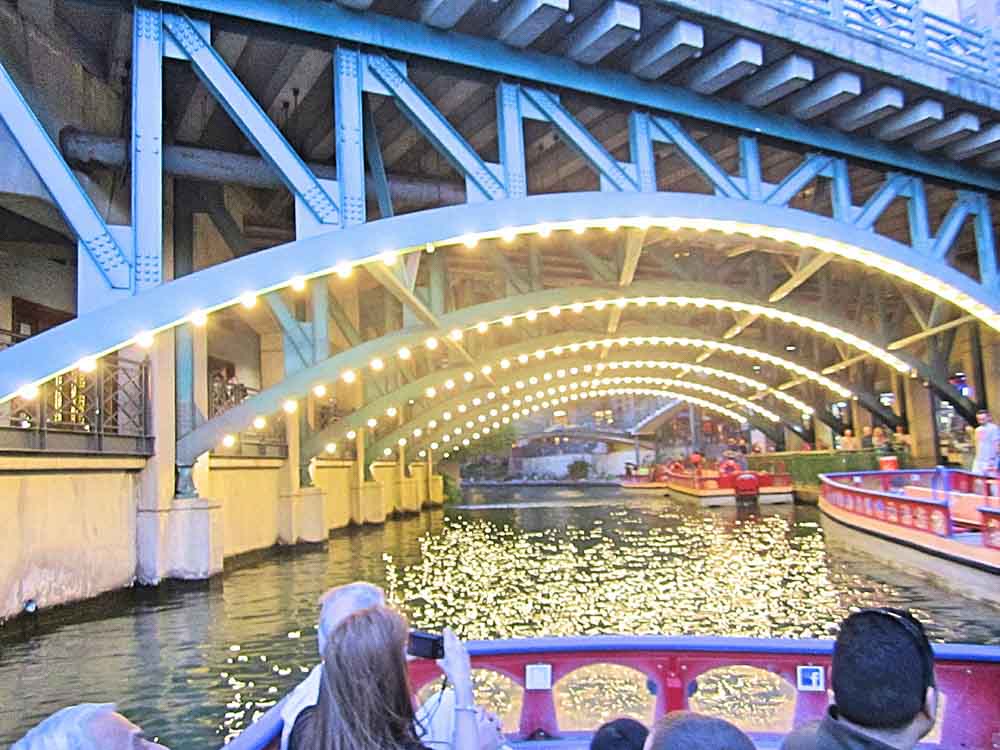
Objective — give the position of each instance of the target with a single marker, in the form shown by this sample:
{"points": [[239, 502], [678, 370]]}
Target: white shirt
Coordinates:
{"points": [[305, 694], [987, 439]]}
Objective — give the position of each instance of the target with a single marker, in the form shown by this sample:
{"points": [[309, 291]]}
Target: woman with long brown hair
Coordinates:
{"points": [[365, 700]]}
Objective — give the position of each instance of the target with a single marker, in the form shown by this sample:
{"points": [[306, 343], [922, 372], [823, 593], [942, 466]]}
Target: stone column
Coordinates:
{"points": [[923, 430]]}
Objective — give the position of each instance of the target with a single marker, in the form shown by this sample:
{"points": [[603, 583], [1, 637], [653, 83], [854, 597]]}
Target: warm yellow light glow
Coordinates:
{"points": [[28, 392], [331, 448], [248, 300], [372, 423], [344, 269], [482, 326], [298, 283], [87, 364], [544, 231], [391, 412], [290, 406], [456, 334], [470, 241], [531, 316], [259, 423], [507, 320], [577, 307], [198, 318], [388, 257], [377, 364], [401, 442], [430, 392], [144, 339], [349, 376], [554, 311], [431, 343], [403, 353], [449, 384], [319, 391], [486, 369], [387, 452], [229, 441], [507, 234], [579, 228], [351, 434], [469, 376]]}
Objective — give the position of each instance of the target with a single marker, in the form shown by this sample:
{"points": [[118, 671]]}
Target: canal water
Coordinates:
{"points": [[195, 663]]}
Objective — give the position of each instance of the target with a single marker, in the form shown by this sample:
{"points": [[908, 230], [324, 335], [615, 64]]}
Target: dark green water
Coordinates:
{"points": [[194, 664]]}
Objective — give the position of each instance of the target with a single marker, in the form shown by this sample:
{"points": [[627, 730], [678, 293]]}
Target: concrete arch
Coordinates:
{"points": [[164, 307]]}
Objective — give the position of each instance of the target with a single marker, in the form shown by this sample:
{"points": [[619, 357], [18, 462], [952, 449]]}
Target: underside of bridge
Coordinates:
{"points": [[341, 245]]}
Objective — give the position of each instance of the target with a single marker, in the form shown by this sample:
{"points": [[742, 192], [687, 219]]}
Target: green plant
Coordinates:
{"points": [[452, 492], [578, 470]]}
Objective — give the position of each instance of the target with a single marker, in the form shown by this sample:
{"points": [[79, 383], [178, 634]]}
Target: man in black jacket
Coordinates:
{"points": [[883, 686]]}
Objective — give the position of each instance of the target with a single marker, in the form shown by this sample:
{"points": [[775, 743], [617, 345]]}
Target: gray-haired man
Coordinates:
{"points": [[88, 726]]}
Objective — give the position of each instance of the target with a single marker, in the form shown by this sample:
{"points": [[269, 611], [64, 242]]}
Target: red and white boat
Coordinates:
{"points": [[552, 693], [941, 523], [728, 484]]}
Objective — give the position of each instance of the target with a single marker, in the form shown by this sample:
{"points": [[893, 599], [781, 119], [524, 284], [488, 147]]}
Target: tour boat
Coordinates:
{"points": [[554, 692], [726, 485], [941, 523]]}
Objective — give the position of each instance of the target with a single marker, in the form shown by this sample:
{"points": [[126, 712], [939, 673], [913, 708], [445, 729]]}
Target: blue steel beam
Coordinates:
{"points": [[348, 129], [400, 35], [671, 132], [436, 128], [579, 139], [510, 135], [71, 199], [105, 330], [811, 167], [640, 139], [147, 146], [233, 96], [373, 154]]}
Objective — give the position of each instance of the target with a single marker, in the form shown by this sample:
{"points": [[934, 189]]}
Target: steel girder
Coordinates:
{"points": [[496, 58]]}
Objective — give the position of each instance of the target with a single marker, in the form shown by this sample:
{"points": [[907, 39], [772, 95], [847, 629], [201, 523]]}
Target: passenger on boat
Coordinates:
{"points": [[336, 605], [987, 444], [620, 734], [686, 730], [867, 437], [884, 692], [88, 726], [848, 442], [365, 698]]}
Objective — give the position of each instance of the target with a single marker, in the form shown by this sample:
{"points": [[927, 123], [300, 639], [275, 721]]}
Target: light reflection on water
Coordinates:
{"points": [[193, 664]]}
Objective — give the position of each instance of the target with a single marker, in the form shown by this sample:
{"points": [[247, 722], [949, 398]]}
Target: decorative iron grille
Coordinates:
{"points": [[105, 410]]}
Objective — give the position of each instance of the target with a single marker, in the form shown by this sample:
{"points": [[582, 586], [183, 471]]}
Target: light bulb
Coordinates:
{"points": [[290, 406], [431, 343], [331, 448], [403, 353], [298, 283], [344, 269], [319, 391], [259, 423], [144, 339], [349, 376], [198, 318], [377, 364], [87, 364], [248, 300], [229, 441]]}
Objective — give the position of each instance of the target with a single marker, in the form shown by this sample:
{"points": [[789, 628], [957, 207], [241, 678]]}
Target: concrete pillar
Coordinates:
{"points": [[922, 427]]}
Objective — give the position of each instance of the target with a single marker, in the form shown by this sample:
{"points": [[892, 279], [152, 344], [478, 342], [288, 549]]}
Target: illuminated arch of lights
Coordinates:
{"points": [[345, 268]]}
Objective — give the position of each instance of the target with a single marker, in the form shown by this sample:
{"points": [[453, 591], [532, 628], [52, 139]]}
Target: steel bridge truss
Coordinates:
{"points": [[124, 302]]}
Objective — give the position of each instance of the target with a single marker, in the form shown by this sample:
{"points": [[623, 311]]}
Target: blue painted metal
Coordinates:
{"points": [[510, 134], [349, 125], [104, 330], [671, 132], [373, 153], [233, 96], [880, 200], [806, 172], [951, 225], [296, 340], [986, 247], [147, 147], [640, 139], [319, 299], [76, 207], [917, 215], [436, 128], [750, 167], [485, 54], [578, 138]]}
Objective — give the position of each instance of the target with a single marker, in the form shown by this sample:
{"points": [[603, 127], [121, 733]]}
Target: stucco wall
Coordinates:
{"points": [[249, 491], [334, 478], [65, 536]]}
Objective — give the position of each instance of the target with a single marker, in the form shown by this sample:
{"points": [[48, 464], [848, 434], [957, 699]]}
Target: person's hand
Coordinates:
{"points": [[490, 730], [457, 667]]}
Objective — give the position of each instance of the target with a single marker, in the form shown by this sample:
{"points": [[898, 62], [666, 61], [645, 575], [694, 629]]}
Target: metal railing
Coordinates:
{"points": [[9, 338], [105, 410], [905, 24]]}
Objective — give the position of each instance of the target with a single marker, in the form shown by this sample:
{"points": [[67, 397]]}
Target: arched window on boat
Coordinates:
{"points": [[589, 696], [753, 699]]}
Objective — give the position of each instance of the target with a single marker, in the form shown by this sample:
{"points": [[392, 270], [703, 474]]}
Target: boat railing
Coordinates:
{"points": [[935, 501], [567, 687]]}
